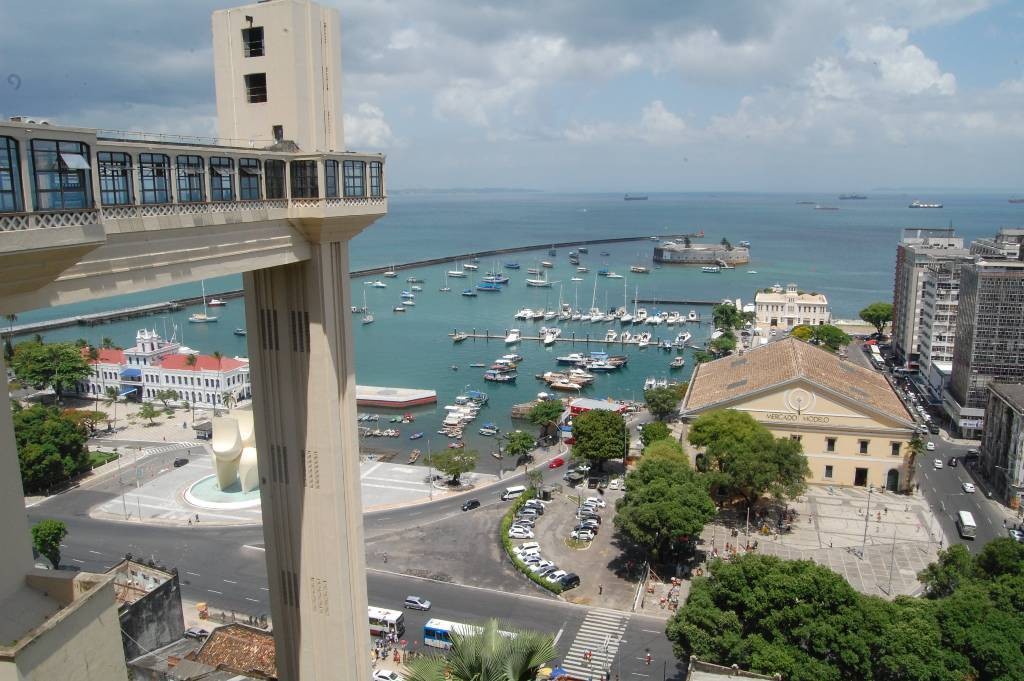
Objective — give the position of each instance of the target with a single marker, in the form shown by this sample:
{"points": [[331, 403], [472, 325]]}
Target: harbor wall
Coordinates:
{"points": [[701, 255]]}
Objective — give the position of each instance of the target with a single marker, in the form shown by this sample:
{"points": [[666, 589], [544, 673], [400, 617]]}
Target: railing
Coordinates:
{"points": [[140, 136], [10, 222]]}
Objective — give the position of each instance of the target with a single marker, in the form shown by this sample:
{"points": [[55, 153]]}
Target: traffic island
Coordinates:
{"points": [[506, 524]]}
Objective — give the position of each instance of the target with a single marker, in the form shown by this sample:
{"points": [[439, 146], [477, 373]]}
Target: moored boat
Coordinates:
{"points": [[459, 336]]}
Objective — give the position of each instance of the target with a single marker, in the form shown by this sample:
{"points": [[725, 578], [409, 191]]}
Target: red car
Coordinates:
{"points": [[556, 462]]}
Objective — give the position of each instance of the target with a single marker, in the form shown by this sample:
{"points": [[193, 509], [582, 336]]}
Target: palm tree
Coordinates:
{"points": [[915, 448], [111, 397], [228, 398], [9, 340], [107, 343], [487, 654], [190, 362], [93, 355], [219, 357]]}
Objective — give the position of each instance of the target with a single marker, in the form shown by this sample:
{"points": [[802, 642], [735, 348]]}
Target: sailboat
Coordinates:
{"points": [[202, 317], [368, 316], [445, 288], [627, 318]]}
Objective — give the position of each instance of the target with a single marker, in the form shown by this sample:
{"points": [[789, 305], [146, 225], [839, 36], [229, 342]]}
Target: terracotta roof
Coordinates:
{"points": [[241, 649], [107, 356], [782, 361], [203, 363]]}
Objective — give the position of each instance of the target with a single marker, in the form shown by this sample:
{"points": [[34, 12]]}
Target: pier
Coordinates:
{"points": [[660, 301], [571, 338]]}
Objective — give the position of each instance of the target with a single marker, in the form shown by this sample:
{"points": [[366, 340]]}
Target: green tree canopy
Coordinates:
{"points": [[166, 395], [148, 412], [667, 448], [662, 402], [802, 332], [599, 435], [55, 365], [545, 414], [87, 419], [519, 443], [877, 314], [942, 577], [723, 345], [747, 459], [655, 430], [46, 538], [830, 337], [51, 447], [726, 317], [455, 462], [487, 655]]}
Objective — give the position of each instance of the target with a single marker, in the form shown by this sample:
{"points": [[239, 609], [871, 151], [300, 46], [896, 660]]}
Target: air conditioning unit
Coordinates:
{"points": [[30, 120]]}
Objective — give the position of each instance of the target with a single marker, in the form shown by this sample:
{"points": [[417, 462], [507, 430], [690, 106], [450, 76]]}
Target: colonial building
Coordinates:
{"points": [[154, 364], [853, 427], [791, 307], [1002, 443]]}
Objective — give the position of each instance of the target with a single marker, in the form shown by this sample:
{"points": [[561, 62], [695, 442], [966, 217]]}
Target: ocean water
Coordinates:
{"points": [[847, 254]]}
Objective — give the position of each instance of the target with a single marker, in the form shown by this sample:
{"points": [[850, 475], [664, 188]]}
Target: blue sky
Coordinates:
{"points": [[591, 95]]}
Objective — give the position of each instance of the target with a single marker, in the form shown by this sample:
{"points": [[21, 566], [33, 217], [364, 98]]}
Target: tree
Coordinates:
{"points": [[749, 461], [666, 505], [228, 399], [107, 343], [942, 577], [111, 396], [599, 435], [656, 430], [486, 654], [191, 360], [51, 447], [519, 443], [802, 332], [725, 242], [1002, 556], [725, 316], [166, 395], [665, 448], [534, 478], [56, 365], [8, 338], [662, 402], [830, 337], [455, 462], [47, 536], [545, 414], [148, 412], [724, 344], [878, 315], [88, 420]]}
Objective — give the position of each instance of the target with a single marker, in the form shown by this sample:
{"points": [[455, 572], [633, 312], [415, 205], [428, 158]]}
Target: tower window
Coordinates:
{"points": [[256, 87], [252, 41]]}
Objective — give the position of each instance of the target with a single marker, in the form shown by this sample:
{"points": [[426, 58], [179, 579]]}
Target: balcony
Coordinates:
{"points": [[102, 207]]}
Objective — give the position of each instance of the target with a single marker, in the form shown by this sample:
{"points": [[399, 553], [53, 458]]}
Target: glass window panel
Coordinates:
{"points": [[376, 178], [115, 171], [249, 179], [222, 183], [191, 183], [58, 185], [304, 180], [275, 179], [354, 178], [331, 177]]}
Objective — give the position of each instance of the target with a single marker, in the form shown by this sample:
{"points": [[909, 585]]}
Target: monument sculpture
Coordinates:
{"points": [[234, 451]]}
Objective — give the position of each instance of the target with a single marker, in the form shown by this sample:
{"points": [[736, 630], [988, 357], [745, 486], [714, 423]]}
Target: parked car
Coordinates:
{"points": [[537, 567], [1016, 535], [197, 633], [569, 581], [417, 603], [471, 504], [386, 675], [520, 533], [930, 446], [179, 462], [937, 463], [595, 501], [968, 487], [556, 575], [547, 571], [583, 534], [556, 462], [526, 546], [952, 462], [614, 484]]}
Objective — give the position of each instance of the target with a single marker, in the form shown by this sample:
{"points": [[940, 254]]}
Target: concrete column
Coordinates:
{"points": [[14, 533], [304, 403]]}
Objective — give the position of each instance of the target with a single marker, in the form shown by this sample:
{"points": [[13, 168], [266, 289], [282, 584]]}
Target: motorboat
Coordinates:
{"points": [[391, 273], [414, 280], [572, 358], [626, 337], [677, 362], [513, 357], [513, 337], [458, 274], [459, 336], [655, 319], [576, 279], [216, 302], [539, 314], [415, 287], [525, 313], [500, 376], [488, 430], [613, 275], [611, 336], [469, 293], [665, 345], [408, 302], [547, 263], [399, 308], [583, 249], [682, 338], [583, 269], [488, 287], [512, 265], [565, 385], [408, 294], [643, 340], [470, 266], [639, 269], [495, 278], [692, 316], [650, 383], [551, 336], [640, 316], [240, 332], [711, 269], [378, 284], [550, 314], [416, 436]]}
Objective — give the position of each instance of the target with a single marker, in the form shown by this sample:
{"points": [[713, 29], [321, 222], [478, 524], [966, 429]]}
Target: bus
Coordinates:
{"points": [[438, 633], [384, 621], [965, 524]]}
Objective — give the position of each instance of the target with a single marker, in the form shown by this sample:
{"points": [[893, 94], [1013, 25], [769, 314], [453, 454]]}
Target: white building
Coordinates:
{"points": [[154, 364], [790, 307]]}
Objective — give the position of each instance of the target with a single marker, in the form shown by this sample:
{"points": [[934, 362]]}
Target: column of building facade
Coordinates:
{"points": [[14, 534], [304, 402]]}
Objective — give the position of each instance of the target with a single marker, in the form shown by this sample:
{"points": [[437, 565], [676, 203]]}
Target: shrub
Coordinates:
{"points": [[506, 523]]}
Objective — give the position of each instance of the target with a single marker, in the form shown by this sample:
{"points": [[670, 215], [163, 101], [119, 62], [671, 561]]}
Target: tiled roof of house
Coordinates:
{"points": [[107, 356], [776, 363], [203, 363], [241, 649]]}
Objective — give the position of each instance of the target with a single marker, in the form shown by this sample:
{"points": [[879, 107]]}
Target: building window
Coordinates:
{"points": [[354, 182], [895, 448], [864, 446], [275, 179], [278, 131], [830, 444], [155, 178], [115, 171], [222, 181], [795, 438], [190, 179], [61, 173], [252, 41], [10, 176], [376, 178], [331, 178], [256, 87], [828, 472], [304, 181], [249, 179]]}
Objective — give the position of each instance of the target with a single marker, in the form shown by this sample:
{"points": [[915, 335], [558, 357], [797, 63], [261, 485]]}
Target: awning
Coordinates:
{"points": [[131, 372], [249, 170], [75, 161], [223, 172], [126, 392]]}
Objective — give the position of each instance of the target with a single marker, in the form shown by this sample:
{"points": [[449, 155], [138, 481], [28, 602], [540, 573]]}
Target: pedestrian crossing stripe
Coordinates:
{"points": [[170, 446], [600, 635]]}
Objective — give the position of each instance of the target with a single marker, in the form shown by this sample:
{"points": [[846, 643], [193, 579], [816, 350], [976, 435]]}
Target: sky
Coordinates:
{"points": [[587, 95]]}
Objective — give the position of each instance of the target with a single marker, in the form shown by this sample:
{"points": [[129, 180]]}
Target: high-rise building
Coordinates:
{"points": [[940, 296], [1002, 443], [989, 343], [84, 214], [919, 248]]}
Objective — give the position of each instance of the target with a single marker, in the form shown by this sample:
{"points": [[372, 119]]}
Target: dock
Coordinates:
{"points": [[571, 338]]}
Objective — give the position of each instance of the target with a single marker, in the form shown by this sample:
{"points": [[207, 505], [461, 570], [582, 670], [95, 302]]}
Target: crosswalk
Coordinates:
{"points": [[600, 629], [169, 447]]}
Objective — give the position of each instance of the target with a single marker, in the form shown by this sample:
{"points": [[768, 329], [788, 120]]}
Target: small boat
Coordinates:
{"points": [[583, 270], [665, 345], [745, 244], [512, 265], [477, 365], [650, 383], [456, 445], [513, 337], [378, 284], [923, 204], [610, 336], [533, 270], [416, 288], [551, 336], [470, 266], [391, 274], [408, 302], [576, 279], [565, 385], [677, 362], [692, 316], [613, 275], [751, 271], [399, 308], [416, 436], [639, 269], [408, 294], [818, 206], [202, 317], [469, 293], [500, 376], [239, 332], [547, 263], [712, 269], [605, 254], [489, 429], [414, 455], [459, 336], [682, 338], [414, 280], [458, 274], [583, 249], [488, 287], [217, 302]]}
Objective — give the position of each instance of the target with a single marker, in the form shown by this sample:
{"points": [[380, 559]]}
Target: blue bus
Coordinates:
{"points": [[438, 633]]}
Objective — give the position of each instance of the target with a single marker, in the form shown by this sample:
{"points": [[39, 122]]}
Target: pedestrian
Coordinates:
{"points": [[197, 518], [1004, 523], [600, 589], [190, 522], [385, 556]]}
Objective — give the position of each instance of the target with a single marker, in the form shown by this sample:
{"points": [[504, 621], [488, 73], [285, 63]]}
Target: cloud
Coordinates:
{"points": [[367, 129]]}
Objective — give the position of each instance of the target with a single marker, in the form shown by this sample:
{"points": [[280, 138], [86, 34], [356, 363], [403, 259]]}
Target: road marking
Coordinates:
{"points": [[265, 588], [651, 631], [415, 514], [78, 561], [638, 673], [230, 582], [95, 553], [254, 548], [194, 574], [558, 636], [219, 593], [251, 599]]}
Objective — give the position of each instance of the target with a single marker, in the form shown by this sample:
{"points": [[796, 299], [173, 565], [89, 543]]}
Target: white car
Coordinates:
{"points": [[582, 535], [521, 533], [968, 487], [937, 463], [930, 446], [614, 484], [386, 675], [537, 567], [556, 575], [528, 546], [595, 501]]}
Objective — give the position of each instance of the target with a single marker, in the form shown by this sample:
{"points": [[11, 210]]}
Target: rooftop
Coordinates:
{"points": [[133, 580], [241, 649], [775, 364], [1011, 393]]}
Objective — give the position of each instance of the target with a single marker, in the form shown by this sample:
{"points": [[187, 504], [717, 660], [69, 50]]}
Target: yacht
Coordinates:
{"points": [[541, 282], [547, 263], [572, 358], [674, 318], [524, 314], [445, 288], [611, 336], [626, 337], [459, 273], [677, 362], [551, 336], [408, 294], [202, 317], [692, 316], [682, 338], [470, 266], [583, 270], [368, 316], [640, 316], [711, 269], [378, 284], [550, 314], [643, 340], [513, 337], [469, 293], [639, 269], [391, 273], [216, 302]]}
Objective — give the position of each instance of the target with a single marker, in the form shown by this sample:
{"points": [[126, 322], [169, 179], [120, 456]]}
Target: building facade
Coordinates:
{"points": [[940, 298], [918, 249], [989, 343], [701, 254], [778, 308], [853, 428], [154, 364], [1002, 442]]}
